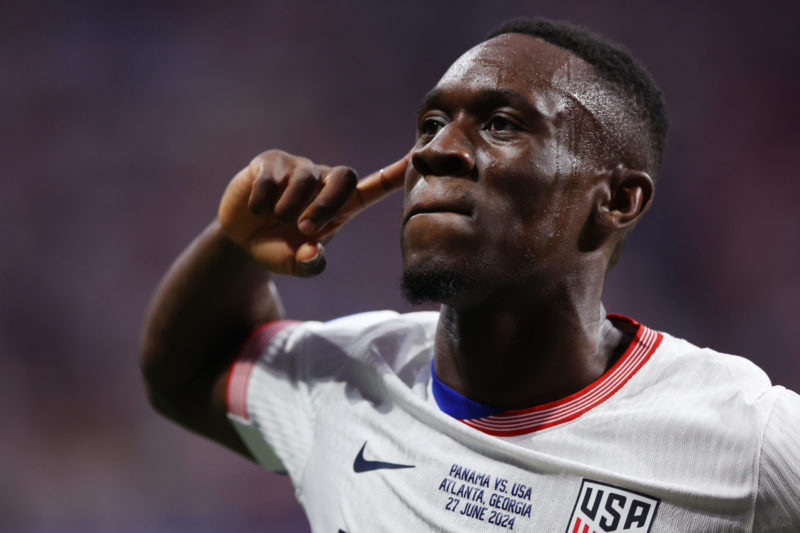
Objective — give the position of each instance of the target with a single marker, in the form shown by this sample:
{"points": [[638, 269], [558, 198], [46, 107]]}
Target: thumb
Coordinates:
{"points": [[309, 260]]}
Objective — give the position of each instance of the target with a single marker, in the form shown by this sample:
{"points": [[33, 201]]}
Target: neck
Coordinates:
{"points": [[513, 351]]}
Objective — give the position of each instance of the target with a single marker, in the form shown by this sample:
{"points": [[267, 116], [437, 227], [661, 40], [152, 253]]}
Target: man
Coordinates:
{"points": [[521, 405]]}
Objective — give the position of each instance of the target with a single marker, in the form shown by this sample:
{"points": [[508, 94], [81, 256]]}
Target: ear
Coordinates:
{"points": [[621, 197], [628, 197]]}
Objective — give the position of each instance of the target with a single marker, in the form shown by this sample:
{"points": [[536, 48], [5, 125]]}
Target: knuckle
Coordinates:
{"points": [[265, 158], [261, 167], [273, 160], [348, 175], [300, 165], [304, 162], [266, 181], [304, 179]]}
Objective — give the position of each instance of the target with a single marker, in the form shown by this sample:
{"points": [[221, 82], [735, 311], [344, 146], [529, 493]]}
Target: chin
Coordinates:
{"points": [[436, 283]]}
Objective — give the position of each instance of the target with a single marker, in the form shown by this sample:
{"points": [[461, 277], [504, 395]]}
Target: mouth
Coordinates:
{"points": [[423, 209]]}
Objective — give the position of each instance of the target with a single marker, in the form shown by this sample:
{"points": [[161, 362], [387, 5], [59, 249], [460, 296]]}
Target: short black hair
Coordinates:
{"points": [[614, 64]]}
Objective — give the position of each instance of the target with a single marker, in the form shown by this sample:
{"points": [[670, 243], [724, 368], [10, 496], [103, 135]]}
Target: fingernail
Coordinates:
{"points": [[312, 266], [309, 261], [307, 227]]}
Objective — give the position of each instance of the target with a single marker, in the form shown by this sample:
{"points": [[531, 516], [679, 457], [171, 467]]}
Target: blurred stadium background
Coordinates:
{"points": [[122, 122]]}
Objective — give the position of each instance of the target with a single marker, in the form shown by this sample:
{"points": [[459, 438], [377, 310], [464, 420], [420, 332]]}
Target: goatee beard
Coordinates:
{"points": [[421, 285]]}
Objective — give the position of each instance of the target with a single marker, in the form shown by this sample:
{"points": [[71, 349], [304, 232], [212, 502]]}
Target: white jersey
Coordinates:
{"points": [[672, 438]]}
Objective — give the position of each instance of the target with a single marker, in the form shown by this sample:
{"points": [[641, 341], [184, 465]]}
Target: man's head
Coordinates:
{"points": [[533, 161]]}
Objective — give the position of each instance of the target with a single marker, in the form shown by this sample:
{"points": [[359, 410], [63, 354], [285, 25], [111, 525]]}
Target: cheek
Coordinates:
{"points": [[525, 226], [524, 184], [539, 222], [544, 182]]}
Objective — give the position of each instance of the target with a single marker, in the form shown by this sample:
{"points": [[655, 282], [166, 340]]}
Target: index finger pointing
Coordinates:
{"points": [[368, 191], [376, 186]]}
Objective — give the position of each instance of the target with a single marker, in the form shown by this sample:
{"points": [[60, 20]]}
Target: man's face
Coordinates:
{"points": [[500, 182]]}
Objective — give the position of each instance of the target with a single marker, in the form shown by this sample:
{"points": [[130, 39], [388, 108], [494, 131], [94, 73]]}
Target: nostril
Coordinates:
{"points": [[453, 166], [420, 164], [439, 163]]}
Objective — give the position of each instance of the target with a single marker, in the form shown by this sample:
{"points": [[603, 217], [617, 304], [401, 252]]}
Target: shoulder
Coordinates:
{"points": [[707, 372], [718, 401], [375, 323], [375, 338], [782, 429], [781, 436], [778, 500], [364, 329], [731, 423]]}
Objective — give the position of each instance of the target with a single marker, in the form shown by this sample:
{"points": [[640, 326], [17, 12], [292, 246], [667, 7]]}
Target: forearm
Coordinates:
{"points": [[209, 301], [218, 291]]}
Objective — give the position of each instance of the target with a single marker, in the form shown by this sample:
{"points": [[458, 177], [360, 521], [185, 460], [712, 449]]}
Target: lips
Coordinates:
{"points": [[433, 206], [435, 194]]}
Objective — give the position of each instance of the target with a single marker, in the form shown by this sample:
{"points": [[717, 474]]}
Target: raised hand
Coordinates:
{"points": [[281, 208]]}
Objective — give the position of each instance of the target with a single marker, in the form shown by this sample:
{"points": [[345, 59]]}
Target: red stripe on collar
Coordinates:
{"points": [[522, 421]]}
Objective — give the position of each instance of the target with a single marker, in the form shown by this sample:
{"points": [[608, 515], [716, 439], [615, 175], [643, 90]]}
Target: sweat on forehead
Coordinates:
{"points": [[517, 57], [559, 84]]}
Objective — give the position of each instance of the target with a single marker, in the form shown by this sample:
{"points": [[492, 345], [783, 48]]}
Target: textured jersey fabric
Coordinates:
{"points": [[672, 438]]}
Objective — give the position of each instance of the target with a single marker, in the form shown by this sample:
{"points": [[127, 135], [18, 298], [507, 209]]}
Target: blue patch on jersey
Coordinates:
{"points": [[457, 405]]}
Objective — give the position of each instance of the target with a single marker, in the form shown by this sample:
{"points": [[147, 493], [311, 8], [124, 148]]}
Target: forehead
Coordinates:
{"points": [[549, 76]]}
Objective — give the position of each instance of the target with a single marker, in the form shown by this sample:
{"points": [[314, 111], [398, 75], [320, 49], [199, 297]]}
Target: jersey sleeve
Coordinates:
{"points": [[275, 384], [265, 367], [778, 497]]}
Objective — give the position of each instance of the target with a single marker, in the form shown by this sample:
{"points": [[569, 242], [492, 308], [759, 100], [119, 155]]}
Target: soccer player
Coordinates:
{"points": [[522, 405]]}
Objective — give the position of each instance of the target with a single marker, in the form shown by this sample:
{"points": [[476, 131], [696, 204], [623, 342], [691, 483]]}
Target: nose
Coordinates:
{"points": [[449, 153]]}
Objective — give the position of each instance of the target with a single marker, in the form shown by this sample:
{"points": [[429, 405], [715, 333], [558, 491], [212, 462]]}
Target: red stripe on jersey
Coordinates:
{"points": [[577, 528], [521, 421], [242, 367]]}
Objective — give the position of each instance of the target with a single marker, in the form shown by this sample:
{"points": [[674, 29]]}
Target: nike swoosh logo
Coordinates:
{"points": [[364, 465]]}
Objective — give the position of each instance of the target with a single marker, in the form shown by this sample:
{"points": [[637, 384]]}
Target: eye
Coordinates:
{"points": [[501, 123], [430, 126]]}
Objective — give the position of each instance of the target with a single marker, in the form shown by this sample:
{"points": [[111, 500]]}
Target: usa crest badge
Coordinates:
{"points": [[604, 508]]}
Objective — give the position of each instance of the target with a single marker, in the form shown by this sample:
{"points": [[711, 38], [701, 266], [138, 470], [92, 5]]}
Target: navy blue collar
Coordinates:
{"points": [[457, 405]]}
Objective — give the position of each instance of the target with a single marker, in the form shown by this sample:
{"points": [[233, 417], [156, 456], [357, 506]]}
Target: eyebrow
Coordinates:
{"points": [[484, 98]]}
